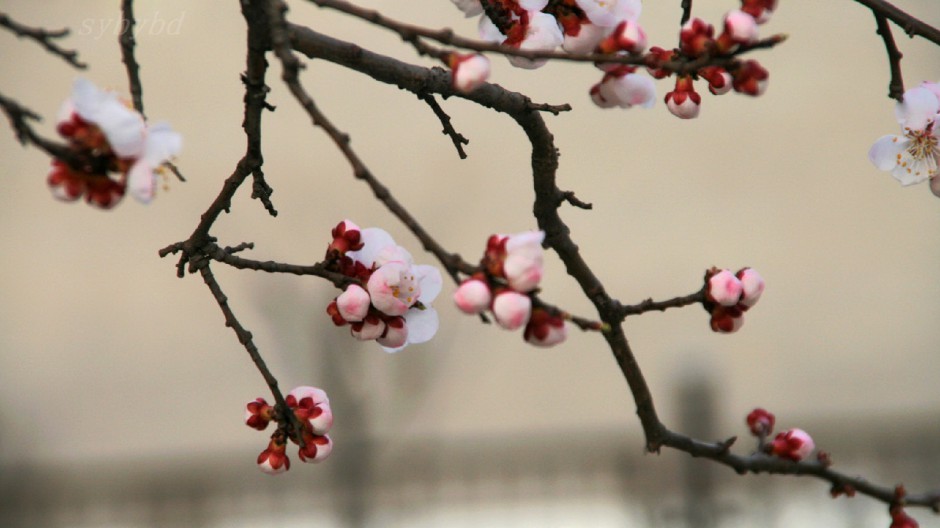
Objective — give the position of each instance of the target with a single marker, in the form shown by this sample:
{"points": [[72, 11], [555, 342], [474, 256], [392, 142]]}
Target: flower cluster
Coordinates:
{"points": [[697, 38], [793, 444], [611, 27], [728, 295], [97, 124], [913, 156], [511, 271], [394, 306], [311, 407]]}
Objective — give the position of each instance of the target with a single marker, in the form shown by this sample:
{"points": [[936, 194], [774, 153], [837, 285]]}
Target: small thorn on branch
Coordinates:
{"points": [[553, 109], [568, 196]]}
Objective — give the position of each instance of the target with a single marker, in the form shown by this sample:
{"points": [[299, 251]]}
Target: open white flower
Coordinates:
{"points": [[912, 157]]}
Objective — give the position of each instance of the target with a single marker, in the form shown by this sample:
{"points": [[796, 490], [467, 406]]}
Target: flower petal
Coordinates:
{"points": [[374, 240], [884, 153], [430, 281], [162, 143], [422, 324], [919, 108], [141, 182]]}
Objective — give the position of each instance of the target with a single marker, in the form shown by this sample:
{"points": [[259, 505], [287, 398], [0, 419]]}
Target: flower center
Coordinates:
{"points": [[406, 290], [923, 150]]}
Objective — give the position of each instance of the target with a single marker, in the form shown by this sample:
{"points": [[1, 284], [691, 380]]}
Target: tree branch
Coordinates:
{"points": [[127, 43], [45, 38], [896, 85], [910, 24], [456, 137]]}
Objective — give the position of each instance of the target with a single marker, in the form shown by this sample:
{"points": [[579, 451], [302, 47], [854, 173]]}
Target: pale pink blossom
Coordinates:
{"points": [[161, 144], [372, 327], [794, 444], [609, 13], [588, 37], [420, 326], [724, 288], [541, 34], [396, 333], [311, 405], [630, 37], [741, 27], [273, 460], [544, 329], [512, 309], [473, 296], [914, 156], [353, 304], [752, 286], [123, 127], [626, 89], [523, 264], [316, 448], [468, 72], [684, 102]]}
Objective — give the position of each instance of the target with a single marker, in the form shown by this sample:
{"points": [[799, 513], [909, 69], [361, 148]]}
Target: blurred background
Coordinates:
{"points": [[122, 392]]}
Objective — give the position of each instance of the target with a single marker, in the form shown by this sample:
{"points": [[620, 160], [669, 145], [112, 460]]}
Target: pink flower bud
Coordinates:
{"points": [[512, 309], [311, 405], [752, 285], [273, 460], [372, 327], [346, 237], [684, 102], [724, 288], [750, 78], [726, 320], [316, 448], [473, 296], [258, 414], [740, 27], [794, 444], [523, 264], [627, 36], [396, 333], [544, 329], [719, 80], [760, 422], [468, 72], [623, 88], [761, 10], [696, 37], [353, 304], [333, 311]]}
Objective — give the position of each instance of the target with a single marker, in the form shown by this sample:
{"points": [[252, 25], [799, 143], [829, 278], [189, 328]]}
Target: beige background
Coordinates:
{"points": [[107, 356]]}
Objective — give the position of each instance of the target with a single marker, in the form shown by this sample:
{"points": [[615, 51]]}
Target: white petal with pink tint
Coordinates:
{"points": [[374, 240], [724, 288], [353, 304], [473, 296], [512, 309], [919, 108], [542, 33], [609, 13]]}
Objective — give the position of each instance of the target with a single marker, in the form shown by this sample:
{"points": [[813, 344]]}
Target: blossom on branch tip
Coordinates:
{"points": [[740, 28], [512, 309], [609, 13], [621, 87], [258, 414], [723, 287], [353, 304], [393, 308], [750, 78], [316, 448], [545, 329], [311, 405], [914, 156], [684, 102], [794, 444], [273, 460], [468, 72], [473, 296], [98, 124], [346, 237], [760, 422], [752, 287], [761, 10]]}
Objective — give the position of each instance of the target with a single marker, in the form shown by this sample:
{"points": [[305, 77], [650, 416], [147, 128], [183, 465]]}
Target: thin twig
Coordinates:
{"points": [[247, 340], [458, 139], [127, 42], [686, 12], [45, 38], [911, 25], [649, 305], [896, 85]]}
